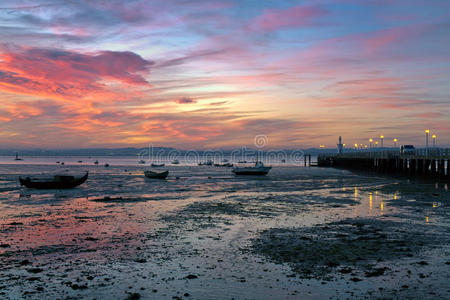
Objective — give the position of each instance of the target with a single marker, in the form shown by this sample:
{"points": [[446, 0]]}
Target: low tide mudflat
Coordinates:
{"points": [[306, 233]]}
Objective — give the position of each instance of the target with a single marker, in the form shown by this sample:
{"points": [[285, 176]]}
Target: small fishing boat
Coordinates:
{"points": [[156, 175], [55, 182], [142, 162], [96, 162], [207, 163], [258, 169], [17, 157], [175, 162], [106, 165], [157, 165]]}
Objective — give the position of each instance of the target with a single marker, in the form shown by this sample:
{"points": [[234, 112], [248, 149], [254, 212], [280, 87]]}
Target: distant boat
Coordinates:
{"points": [[80, 161], [224, 160], [207, 163], [62, 163], [242, 162], [258, 169], [175, 162], [106, 165], [157, 165], [156, 175], [142, 162], [224, 165], [17, 157], [96, 162], [283, 160], [57, 182]]}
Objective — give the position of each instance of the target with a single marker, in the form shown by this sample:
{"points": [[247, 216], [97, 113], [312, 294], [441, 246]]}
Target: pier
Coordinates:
{"points": [[424, 163]]}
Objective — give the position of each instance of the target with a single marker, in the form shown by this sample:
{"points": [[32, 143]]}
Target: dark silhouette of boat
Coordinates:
{"points": [[17, 157], [156, 175], [57, 182], [157, 165]]}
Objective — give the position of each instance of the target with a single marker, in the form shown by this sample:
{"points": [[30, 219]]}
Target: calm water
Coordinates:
{"points": [[150, 234]]}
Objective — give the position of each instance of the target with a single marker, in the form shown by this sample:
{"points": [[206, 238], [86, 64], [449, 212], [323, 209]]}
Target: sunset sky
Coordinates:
{"points": [[198, 74]]}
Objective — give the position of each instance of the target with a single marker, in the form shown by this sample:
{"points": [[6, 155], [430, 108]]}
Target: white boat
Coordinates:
{"points": [[175, 162], [258, 169]]}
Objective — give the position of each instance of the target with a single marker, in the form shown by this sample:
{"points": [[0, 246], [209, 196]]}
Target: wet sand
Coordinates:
{"points": [[299, 233]]}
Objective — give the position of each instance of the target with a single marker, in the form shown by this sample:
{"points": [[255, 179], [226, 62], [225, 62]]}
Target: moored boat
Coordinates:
{"points": [[55, 182], [157, 165], [258, 169], [175, 162], [156, 175], [17, 157]]}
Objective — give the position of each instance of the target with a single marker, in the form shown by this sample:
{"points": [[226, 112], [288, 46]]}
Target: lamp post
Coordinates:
{"points": [[395, 142], [376, 144], [356, 146], [426, 133], [434, 140], [382, 137], [370, 142]]}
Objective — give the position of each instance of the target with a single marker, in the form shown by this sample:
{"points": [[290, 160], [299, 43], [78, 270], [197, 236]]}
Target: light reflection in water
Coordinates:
{"points": [[370, 202], [427, 219], [356, 193], [395, 196]]}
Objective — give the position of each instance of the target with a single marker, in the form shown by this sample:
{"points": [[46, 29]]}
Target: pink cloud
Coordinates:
{"points": [[274, 19], [69, 74]]}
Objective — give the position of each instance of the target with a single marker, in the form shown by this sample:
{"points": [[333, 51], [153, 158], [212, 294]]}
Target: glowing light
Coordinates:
{"points": [[427, 131], [371, 140], [382, 136], [395, 196], [427, 219], [433, 136]]}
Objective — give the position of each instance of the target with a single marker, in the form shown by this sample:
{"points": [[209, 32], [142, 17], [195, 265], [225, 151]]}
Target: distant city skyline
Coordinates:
{"points": [[214, 74]]}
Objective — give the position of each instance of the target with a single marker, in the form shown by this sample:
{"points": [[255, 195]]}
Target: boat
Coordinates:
{"points": [[55, 182], [80, 161], [229, 165], [175, 162], [141, 162], [17, 157], [96, 162], [156, 175], [106, 165], [157, 165], [258, 169]]}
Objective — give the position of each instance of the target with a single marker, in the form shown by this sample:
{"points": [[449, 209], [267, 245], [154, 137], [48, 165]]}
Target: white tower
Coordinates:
{"points": [[340, 146]]}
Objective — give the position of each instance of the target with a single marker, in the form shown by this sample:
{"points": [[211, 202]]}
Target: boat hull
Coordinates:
{"points": [[155, 175], [251, 171], [55, 184]]}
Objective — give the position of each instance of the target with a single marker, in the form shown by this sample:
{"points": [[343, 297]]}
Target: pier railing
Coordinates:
{"points": [[432, 153]]}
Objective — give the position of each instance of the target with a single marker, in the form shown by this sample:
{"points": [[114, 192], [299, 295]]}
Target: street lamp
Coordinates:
{"points": [[370, 142], [427, 132], [356, 146], [376, 144], [382, 137], [395, 142], [434, 140]]}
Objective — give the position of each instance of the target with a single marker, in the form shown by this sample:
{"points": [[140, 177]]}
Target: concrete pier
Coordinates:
{"points": [[429, 164]]}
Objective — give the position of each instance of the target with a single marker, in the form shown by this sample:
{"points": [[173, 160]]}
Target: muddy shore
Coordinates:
{"points": [[300, 233]]}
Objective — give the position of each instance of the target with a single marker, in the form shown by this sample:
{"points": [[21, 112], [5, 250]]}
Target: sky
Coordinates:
{"points": [[198, 74]]}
